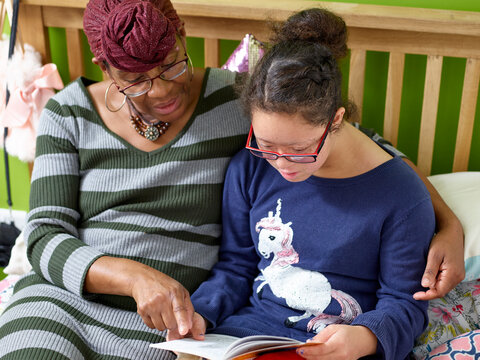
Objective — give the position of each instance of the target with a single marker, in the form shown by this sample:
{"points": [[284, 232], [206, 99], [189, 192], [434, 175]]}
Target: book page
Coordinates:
{"points": [[251, 346], [213, 347], [250, 343]]}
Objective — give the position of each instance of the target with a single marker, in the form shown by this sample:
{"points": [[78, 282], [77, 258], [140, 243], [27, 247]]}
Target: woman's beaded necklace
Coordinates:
{"points": [[149, 131]]}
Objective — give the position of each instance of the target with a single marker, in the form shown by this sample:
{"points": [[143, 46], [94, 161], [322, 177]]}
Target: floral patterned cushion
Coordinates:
{"points": [[6, 290], [463, 347], [449, 318]]}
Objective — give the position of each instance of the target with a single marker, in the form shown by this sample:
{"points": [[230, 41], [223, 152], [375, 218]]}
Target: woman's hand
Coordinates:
{"points": [[445, 264], [197, 331], [341, 342], [162, 302]]}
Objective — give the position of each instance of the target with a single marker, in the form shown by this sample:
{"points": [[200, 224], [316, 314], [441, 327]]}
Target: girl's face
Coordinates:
{"points": [[167, 100], [291, 134]]}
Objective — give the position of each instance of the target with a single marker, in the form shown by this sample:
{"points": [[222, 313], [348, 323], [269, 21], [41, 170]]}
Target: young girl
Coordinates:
{"points": [[329, 230]]}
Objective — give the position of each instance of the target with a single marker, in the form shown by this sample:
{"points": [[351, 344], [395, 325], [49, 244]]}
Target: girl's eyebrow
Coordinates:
{"points": [[305, 143]]}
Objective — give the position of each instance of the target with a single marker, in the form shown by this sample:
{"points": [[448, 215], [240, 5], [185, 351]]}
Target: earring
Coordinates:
{"points": [[106, 100], [191, 66]]}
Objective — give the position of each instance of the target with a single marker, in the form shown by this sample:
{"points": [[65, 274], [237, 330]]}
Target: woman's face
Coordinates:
{"points": [[290, 134], [167, 100]]}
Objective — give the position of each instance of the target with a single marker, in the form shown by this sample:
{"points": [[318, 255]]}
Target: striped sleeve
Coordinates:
{"points": [[53, 245]]}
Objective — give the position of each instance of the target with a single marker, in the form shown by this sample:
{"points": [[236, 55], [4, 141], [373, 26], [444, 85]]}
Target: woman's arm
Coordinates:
{"points": [[445, 263], [162, 302], [55, 249]]}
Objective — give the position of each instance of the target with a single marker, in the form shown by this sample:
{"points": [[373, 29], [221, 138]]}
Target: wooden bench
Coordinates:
{"points": [[396, 30]]}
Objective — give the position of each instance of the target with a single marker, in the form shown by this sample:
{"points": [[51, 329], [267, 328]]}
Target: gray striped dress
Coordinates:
{"points": [[93, 194]]}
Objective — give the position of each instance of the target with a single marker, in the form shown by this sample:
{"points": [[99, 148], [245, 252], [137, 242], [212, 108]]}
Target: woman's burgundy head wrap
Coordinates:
{"points": [[131, 35]]}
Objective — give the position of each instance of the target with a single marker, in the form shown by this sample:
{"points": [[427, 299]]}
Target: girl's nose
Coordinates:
{"points": [[283, 163]]}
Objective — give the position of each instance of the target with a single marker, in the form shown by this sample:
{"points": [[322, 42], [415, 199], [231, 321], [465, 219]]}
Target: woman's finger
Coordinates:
{"points": [[183, 312]]}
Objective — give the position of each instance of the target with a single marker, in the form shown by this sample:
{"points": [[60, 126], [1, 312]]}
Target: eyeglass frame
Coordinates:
{"points": [[186, 59], [287, 155]]}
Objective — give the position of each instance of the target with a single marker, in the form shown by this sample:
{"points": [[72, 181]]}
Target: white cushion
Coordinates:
{"points": [[461, 192]]}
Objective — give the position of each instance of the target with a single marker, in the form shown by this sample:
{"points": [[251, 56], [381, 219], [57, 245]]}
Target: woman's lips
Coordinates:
{"points": [[168, 107]]}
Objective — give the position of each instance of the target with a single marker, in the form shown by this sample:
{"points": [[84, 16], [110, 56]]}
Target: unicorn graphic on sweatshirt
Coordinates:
{"points": [[303, 290]]}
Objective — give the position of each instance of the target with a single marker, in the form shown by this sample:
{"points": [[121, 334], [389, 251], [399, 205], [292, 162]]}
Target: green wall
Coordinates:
{"points": [[373, 105]]}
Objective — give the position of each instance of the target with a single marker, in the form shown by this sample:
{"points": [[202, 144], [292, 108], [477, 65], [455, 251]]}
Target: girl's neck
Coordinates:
{"points": [[351, 154]]}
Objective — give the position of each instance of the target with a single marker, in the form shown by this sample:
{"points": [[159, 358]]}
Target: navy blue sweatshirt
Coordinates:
{"points": [[296, 257]]}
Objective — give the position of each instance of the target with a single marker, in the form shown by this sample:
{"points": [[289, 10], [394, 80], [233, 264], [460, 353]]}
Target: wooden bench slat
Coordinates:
{"points": [[429, 113], [212, 53], [74, 53], [30, 20], [410, 42], [360, 15], [467, 115], [356, 79], [222, 28], [63, 17], [396, 65]]}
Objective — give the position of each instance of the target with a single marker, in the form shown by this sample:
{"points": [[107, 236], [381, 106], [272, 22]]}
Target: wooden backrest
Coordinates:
{"points": [[396, 30]]}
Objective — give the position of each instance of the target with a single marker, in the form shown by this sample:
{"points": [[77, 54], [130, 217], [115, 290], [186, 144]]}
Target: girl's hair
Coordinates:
{"points": [[299, 73]]}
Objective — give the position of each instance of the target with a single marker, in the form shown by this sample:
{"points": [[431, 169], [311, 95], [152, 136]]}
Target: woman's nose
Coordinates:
{"points": [[160, 88]]}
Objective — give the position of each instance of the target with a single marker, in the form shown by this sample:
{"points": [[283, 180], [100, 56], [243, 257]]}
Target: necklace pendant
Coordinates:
{"points": [[152, 133]]}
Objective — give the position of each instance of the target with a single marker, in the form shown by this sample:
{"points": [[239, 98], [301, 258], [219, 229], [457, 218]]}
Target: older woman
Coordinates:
{"points": [[126, 193]]}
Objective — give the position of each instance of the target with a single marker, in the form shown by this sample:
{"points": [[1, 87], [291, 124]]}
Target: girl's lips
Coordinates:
{"points": [[288, 175], [168, 107]]}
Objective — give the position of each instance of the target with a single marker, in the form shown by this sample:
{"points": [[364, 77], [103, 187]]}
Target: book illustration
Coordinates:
{"points": [[224, 347], [302, 289]]}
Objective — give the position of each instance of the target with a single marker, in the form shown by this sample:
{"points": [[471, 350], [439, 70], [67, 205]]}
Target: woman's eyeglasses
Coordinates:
{"points": [[296, 158], [143, 86]]}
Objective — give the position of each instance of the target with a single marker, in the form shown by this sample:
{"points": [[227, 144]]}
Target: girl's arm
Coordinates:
{"points": [[445, 263], [398, 318]]}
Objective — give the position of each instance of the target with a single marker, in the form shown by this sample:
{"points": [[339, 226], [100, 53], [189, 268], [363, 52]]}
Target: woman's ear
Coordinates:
{"points": [[100, 64], [102, 67], [181, 30]]}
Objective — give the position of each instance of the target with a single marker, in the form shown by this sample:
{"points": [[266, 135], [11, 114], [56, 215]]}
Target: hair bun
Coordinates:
{"points": [[315, 25]]}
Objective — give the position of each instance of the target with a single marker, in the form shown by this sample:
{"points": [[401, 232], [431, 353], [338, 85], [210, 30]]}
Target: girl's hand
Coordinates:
{"points": [[341, 342], [197, 331]]}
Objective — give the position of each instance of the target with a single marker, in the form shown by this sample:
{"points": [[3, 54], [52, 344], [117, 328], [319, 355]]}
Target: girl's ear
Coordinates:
{"points": [[338, 116]]}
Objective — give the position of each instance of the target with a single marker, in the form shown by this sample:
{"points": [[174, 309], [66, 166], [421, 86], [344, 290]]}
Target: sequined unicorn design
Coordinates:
{"points": [[302, 289]]}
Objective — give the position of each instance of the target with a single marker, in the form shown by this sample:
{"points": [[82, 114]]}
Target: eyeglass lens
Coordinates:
{"points": [[269, 156], [169, 74]]}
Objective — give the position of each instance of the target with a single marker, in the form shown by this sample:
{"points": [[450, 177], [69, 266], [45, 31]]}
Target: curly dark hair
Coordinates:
{"points": [[299, 73]]}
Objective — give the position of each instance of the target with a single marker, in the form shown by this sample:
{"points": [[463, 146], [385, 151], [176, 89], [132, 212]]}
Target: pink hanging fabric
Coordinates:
{"points": [[23, 110]]}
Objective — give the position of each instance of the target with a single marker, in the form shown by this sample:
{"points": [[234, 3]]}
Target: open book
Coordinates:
{"points": [[224, 347]]}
